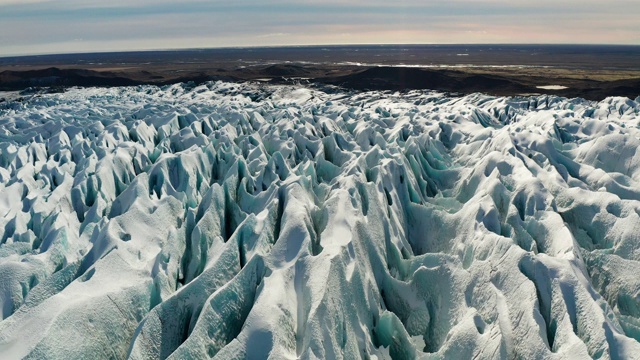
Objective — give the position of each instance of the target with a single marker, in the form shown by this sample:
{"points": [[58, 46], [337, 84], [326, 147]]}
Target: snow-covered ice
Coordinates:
{"points": [[552, 87], [252, 221]]}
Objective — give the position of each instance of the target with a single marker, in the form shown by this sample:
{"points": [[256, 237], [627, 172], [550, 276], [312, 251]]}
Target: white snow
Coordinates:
{"points": [[251, 220], [552, 87]]}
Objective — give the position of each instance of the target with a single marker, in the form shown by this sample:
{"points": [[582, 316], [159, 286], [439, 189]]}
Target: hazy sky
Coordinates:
{"points": [[58, 26]]}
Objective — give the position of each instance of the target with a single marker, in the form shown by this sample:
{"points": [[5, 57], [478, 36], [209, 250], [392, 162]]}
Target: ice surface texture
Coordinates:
{"points": [[245, 221]]}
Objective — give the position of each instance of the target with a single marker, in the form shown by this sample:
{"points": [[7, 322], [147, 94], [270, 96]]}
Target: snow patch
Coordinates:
{"points": [[552, 87]]}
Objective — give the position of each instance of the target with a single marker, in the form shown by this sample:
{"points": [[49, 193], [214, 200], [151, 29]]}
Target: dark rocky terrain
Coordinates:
{"points": [[592, 73]]}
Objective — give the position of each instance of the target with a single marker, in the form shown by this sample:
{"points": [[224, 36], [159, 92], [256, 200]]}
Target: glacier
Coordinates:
{"points": [[245, 220]]}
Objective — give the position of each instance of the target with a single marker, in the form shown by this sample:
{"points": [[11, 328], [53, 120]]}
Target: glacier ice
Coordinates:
{"points": [[260, 221]]}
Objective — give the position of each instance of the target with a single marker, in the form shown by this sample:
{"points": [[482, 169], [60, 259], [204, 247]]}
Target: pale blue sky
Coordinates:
{"points": [[62, 26]]}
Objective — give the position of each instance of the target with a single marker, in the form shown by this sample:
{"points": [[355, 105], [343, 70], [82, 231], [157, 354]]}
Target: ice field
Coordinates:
{"points": [[236, 221]]}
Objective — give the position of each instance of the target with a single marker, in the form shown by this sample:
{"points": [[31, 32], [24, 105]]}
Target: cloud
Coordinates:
{"points": [[41, 26]]}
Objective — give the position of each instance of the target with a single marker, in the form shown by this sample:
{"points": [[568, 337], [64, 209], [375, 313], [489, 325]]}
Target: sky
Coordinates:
{"points": [[68, 26]]}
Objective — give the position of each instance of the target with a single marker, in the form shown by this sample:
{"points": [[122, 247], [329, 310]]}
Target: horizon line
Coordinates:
{"points": [[123, 51]]}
